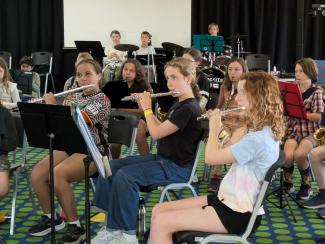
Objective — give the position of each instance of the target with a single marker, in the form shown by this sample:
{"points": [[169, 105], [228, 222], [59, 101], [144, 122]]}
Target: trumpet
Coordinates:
{"points": [[223, 113], [319, 135], [162, 94], [60, 94]]}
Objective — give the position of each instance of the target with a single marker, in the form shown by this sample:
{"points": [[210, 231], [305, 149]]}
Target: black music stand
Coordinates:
{"points": [[24, 81], [293, 103], [115, 91], [95, 48], [56, 127]]}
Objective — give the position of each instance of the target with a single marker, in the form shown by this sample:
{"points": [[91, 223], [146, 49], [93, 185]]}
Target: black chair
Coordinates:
{"points": [[43, 66], [207, 237], [122, 129], [7, 57], [258, 62]]}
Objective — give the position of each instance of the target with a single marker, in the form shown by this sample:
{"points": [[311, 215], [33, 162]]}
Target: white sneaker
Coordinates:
{"points": [[104, 236], [124, 238]]}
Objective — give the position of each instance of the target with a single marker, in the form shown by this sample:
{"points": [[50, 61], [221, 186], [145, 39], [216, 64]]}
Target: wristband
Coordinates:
{"points": [[148, 112]]}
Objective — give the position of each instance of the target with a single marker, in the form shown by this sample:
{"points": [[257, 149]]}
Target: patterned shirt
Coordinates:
{"points": [[300, 128], [95, 109]]}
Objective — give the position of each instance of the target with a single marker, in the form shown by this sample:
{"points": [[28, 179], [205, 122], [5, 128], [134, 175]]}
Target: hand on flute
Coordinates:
{"points": [[144, 100], [49, 98], [215, 124]]}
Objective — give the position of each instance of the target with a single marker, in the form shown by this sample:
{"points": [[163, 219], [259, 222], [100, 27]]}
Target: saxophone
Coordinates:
{"points": [[319, 136]]}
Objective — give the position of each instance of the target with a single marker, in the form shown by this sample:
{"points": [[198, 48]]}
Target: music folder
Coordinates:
{"points": [[292, 100]]}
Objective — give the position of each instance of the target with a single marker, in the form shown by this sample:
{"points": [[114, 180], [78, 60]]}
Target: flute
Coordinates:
{"points": [[223, 112], [162, 94], [60, 94]]}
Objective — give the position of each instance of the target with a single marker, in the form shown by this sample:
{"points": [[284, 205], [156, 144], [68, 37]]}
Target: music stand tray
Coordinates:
{"points": [[207, 43], [292, 100], [95, 48]]}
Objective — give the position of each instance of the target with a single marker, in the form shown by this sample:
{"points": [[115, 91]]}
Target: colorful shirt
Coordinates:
{"points": [[95, 110], [254, 154]]}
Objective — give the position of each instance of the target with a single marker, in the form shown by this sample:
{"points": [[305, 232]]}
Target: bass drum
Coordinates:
{"points": [[215, 77]]}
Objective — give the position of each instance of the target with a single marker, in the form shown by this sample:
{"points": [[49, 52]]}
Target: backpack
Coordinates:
{"points": [[8, 132]]}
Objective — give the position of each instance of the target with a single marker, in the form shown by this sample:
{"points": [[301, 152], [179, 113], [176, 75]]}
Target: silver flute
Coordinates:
{"points": [[162, 94], [223, 112], [60, 94]]}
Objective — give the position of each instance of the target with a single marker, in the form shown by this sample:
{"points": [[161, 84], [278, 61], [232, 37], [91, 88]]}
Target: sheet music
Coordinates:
{"points": [[101, 162]]}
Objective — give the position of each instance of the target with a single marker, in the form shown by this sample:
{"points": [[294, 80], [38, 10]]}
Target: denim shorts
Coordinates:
{"points": [[4, 163]]}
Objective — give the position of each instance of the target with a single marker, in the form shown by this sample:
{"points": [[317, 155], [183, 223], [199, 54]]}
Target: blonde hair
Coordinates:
{"points": [[265, 102], [186, 68], [83, 56]]}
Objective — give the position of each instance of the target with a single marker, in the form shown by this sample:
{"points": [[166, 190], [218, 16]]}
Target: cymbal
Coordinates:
{"points": [[126, 47], [171, 47], [236, 36]]}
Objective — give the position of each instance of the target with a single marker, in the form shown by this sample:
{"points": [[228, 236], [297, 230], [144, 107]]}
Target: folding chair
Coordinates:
{"points": [[43, 66], [258, 62], [207, 237], [7, 57]]}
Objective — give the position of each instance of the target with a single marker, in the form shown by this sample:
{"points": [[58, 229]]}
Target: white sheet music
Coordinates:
{"points": [[101, 162]]}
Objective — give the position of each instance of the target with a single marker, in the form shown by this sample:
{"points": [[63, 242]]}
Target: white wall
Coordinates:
{"points": [[92, 20]]}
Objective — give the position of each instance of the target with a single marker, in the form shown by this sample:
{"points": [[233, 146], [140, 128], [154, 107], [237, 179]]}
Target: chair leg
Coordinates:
{"points": [[46, 80], [14, 198], [53, 85]]}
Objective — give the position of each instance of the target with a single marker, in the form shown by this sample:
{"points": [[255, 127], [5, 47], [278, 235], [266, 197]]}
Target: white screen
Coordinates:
{"points": [[93, 20]]}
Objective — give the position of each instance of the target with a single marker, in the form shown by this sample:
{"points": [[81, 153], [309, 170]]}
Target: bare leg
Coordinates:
{"points": [[141, 138], [70, 170], [180, 215], [40, 179], [317, 155], [289, 148], [4, 184]]}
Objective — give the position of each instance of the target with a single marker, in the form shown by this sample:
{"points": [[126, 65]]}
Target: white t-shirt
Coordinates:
{"points": [[254, 155]]}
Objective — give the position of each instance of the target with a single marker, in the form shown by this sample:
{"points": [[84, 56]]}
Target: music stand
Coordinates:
{"points": [[60, 128], [207, 43], [292, 100], [95, 48], [24, 81], [115, 91]]}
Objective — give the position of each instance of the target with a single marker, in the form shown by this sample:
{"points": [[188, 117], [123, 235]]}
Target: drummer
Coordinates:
{"points": [[111, 52], [213, 29], [146, 45]]}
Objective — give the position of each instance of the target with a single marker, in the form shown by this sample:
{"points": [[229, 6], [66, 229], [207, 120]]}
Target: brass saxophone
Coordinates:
{"points": [[319, 136]]}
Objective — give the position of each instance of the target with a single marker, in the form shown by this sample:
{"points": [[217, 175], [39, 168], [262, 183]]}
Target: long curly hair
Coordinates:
{"points": [[186, 68], [266, 107]]}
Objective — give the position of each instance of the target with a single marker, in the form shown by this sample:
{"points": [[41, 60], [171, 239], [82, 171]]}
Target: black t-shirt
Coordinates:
{"points": [[180, 147]]}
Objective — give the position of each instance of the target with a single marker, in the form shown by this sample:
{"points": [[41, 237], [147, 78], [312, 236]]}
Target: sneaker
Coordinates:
{"points": [[74, 234], [43, 227], [104, 236], [317, 201], [288, 187], [304, 192], [124, 238], [321, 213]]}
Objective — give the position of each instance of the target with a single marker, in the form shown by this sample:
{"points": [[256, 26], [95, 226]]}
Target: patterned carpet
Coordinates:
{"points": [[277, 225]]}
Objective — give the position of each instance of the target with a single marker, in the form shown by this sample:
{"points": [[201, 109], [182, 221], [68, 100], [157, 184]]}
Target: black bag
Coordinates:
{"points": [[8, 132]]}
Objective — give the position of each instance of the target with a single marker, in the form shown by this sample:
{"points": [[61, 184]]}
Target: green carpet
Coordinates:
{"points": [[277, 225]]}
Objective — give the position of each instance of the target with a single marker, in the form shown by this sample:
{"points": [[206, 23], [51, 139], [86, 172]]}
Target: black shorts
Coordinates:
{"points": [[234, 222]]}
